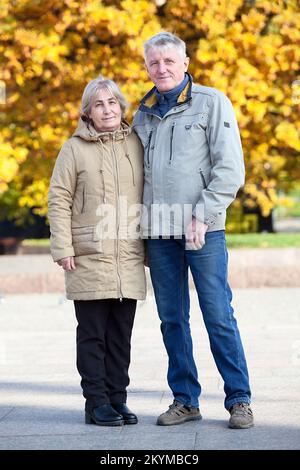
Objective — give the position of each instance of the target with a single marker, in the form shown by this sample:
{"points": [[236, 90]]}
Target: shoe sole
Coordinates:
{"points": [[131, 421], [244, 426], [90, 420], [190, 418]]}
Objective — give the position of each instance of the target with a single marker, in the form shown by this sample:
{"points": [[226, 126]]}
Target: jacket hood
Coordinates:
{"points": [[86, 131]]}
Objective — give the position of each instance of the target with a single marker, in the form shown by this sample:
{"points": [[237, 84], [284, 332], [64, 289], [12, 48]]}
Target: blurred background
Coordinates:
{"points": [[248, 49], [49, 50]]}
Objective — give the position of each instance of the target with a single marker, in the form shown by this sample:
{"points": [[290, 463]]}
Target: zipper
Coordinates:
{"points": [[83, 199], [171, 143], [99, 143], [118, 222], [202, 177], [133, 181], [103, 184], [148, 148]]}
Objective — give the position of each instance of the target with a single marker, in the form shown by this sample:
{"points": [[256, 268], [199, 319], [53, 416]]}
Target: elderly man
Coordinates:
{"points": [[193, 168]]}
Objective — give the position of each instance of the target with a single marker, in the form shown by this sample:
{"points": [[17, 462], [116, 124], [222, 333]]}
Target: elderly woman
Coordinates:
{"points": [[97, 169]]}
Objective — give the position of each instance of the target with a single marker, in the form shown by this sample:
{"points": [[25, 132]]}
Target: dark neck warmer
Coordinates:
{"points": [[167, 100]]}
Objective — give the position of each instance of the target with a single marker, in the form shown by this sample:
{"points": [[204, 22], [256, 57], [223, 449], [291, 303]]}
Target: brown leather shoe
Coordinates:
{"points": [[177, 414]]}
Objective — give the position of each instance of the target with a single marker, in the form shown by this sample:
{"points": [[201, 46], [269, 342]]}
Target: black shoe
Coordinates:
{"points": [[104, 415], [128, 416]]}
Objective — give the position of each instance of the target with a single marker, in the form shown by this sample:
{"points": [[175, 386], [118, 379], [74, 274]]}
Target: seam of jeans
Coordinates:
{"points": [[182, 315], [231, 313], [237, 341]]}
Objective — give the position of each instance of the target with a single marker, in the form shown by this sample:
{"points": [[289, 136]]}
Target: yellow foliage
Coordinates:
{"points": [[35, 195], [10, 160], [50, 49], [287, 133]]}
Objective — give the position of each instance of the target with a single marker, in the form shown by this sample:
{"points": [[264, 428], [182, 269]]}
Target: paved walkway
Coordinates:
{"points": [[288, 224], [255, 268], [41, 402]]}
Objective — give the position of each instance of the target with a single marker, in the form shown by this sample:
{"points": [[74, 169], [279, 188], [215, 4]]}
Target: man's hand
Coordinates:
{"points": [[195, 235], [68, 263]]}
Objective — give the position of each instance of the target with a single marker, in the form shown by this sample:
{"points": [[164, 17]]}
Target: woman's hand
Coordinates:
{"points": [[68, 263]]}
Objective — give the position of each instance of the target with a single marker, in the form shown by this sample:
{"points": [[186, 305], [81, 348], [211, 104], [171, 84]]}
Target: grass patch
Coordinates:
{"points": [[263, 240], [36, 242], [234, 240]]}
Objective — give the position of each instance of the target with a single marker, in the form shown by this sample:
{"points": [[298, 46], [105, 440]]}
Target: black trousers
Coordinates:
{"points": [[103, 349]]}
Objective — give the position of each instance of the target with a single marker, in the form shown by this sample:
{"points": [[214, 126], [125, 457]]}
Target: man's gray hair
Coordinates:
{"points": [[92, 89], [165, 40]]}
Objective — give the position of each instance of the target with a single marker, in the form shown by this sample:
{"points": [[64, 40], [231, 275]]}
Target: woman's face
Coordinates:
{"points": [[105, 112]]}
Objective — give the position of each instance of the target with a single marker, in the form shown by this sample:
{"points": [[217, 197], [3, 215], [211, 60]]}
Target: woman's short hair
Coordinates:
{"points": [[92, 89], [164, 40]]}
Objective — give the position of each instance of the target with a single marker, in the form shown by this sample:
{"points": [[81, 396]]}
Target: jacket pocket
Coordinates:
{"points": [[203, 179], [188, 141], [171, 143], [131, 166], [147, 139], [83, 198], [86, 236]]}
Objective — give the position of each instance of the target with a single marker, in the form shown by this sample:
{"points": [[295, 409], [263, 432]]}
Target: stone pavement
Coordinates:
{"points": [[37, 273], [41, 403]]}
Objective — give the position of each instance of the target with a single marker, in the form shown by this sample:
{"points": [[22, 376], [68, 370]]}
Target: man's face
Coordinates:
{"points": [[166, 67]]}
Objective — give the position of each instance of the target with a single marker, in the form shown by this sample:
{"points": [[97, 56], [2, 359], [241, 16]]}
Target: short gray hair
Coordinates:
{"points": [[92, 89], [164, 40]]}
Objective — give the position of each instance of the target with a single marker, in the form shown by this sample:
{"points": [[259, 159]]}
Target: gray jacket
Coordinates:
{"points": [[193, 158]]}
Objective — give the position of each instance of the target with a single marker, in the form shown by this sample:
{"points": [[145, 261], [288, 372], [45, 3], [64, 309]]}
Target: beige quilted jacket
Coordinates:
{"points": [[96, 182]]}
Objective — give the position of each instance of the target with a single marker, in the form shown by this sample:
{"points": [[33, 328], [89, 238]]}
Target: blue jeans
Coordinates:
{"points": [[169, 262]]}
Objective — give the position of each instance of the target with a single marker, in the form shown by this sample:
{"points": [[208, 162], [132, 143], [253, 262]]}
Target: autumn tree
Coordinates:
{"points": [[250, 50], [50, 49]]}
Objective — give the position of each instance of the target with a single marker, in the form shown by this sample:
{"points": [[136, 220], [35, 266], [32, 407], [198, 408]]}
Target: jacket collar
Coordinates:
{"points": [[87, 132], [150, 99]]}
